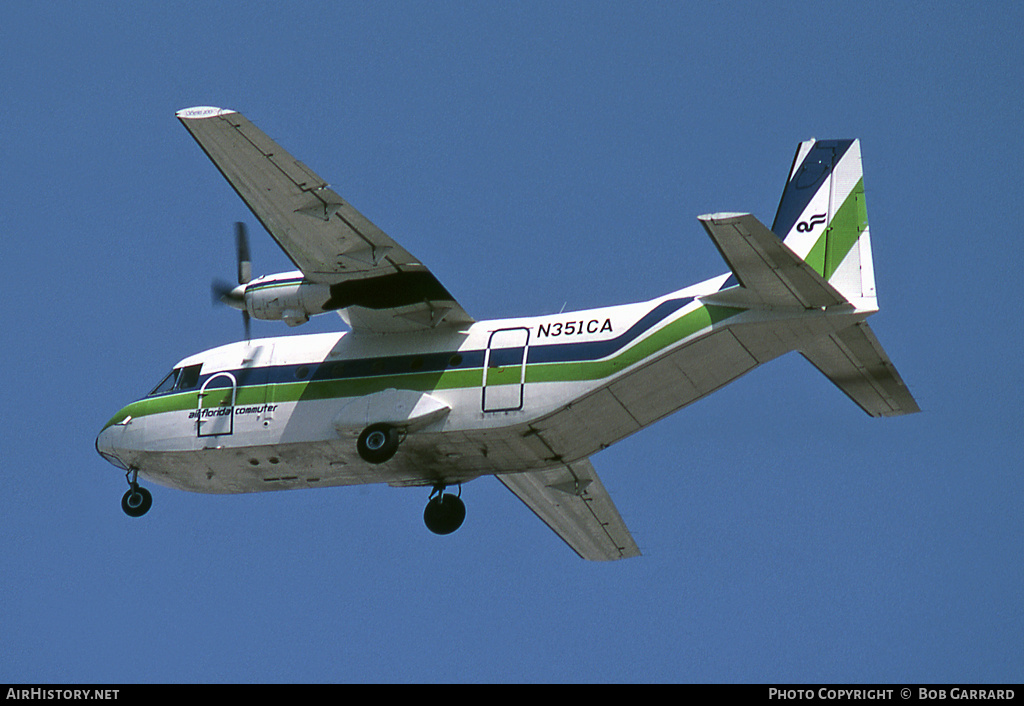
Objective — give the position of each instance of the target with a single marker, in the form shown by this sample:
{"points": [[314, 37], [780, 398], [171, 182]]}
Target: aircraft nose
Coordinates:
{"points": [[107, 446]]}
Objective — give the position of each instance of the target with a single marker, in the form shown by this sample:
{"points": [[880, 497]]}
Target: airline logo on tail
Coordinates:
{"points": [[808, 226]]}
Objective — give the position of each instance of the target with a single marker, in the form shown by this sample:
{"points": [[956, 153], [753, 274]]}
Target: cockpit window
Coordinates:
{"points": [[167, 384], [188, 378], [178, 379]]}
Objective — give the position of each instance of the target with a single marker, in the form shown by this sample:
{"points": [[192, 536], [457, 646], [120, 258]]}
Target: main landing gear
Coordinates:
{"points": [[445, 512], [137, 501], [378, 443]]}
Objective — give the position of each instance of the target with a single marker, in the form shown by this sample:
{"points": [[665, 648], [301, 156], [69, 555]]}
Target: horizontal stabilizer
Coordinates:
{"points": [[571, 500], [854, 360], [769, 273]]}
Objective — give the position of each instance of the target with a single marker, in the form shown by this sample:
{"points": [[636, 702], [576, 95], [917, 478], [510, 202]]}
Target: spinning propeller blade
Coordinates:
{"points": [[242, 248], [234, 295]]}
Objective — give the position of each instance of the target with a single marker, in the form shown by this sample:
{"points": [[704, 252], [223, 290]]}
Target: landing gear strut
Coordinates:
{"points": [[445, 512], [137, 501]]}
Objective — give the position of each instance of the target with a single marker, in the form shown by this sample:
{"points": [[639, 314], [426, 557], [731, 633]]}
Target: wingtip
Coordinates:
{"points": [[724, 216], [201, 111]]}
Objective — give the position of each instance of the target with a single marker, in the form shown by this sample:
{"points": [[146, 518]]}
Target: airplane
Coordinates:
{"points": [[418, 393]]}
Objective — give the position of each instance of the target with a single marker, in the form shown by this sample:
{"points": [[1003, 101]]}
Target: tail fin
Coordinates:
{"points": [[822, 216], [823, 261]]}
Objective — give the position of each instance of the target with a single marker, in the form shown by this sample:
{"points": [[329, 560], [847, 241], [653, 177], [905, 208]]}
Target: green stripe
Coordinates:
{"points": [[683, 327], [276, 393], [294, 391], [816, 257], [842, 233]]}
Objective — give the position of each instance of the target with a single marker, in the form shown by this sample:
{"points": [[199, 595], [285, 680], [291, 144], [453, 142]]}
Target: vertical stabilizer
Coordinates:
{"points": [[822, 216], [823, 219]]}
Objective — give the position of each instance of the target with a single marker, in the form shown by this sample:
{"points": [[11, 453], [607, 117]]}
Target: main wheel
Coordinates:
{"points": [[444, 513], [377, 443], [136, 502]]}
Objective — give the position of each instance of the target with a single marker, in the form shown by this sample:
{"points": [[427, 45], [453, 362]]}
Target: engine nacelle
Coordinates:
{"points": [[287, 297], [290, 297]]}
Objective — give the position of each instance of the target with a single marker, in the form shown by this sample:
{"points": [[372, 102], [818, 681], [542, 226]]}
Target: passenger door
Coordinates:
{"points": [[505, 370], [215, 412]]}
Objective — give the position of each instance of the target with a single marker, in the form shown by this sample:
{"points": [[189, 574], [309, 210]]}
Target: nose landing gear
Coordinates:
{"points": [[445, 512], [137, 501]]}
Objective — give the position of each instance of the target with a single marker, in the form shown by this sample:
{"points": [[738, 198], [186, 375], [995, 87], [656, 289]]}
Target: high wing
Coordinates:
{"points": [[571, 500], [376, 285]]}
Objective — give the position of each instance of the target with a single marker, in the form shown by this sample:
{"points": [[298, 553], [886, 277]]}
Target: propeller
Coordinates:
{"points": [[234, 296], [242, 249]]}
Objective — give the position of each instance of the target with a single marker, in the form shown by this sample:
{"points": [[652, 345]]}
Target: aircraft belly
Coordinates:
{"points": [[300, 448], [300, 465]]}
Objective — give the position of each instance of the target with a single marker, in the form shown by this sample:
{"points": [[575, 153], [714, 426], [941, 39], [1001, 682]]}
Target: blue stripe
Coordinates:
{"points": [[439, 362], [816, 167], [595, 350]]}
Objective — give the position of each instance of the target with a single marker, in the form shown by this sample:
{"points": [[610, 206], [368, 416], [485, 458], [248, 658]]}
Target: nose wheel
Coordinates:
{"points": [[445, 512], [137, 501]]}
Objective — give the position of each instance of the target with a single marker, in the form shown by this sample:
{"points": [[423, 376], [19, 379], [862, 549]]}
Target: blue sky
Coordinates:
{"points": [[534, 156]]}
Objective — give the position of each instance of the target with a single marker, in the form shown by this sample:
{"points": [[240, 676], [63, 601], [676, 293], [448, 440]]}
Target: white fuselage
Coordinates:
{"points": [[496, 397]]}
